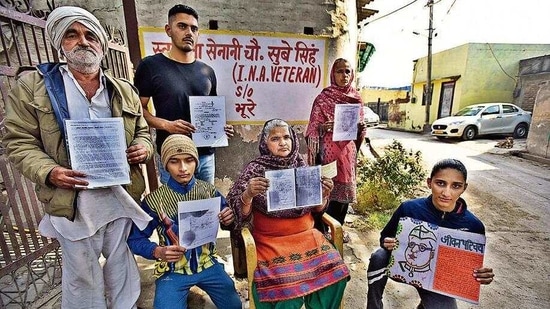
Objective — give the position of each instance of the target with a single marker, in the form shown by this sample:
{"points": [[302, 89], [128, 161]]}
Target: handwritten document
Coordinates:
{"points": [[208, 117], [346, 118], [198, 222], [97, 147], [438, 259], [295, 187]]}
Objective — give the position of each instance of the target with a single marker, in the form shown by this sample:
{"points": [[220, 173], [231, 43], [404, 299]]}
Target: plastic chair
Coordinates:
{"points": [[337, 238]]}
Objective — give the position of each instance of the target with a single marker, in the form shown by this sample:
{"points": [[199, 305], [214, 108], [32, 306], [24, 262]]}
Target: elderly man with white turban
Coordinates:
{"points": [[93, 222]]}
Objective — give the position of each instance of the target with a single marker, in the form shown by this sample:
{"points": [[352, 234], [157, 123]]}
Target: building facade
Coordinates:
{"points": [[533, 93], [467, 74]]}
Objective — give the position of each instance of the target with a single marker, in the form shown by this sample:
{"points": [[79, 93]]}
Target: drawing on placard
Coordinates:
{"points": [[437, 259]]}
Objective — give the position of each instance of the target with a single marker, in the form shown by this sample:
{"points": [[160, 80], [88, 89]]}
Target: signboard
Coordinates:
{"points": [[261, 75]]}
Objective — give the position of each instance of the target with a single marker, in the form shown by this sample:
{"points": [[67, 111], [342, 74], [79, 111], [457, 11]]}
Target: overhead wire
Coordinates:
{"points": [[498, 62], [390, 13], [443, 19], [449, 10]]}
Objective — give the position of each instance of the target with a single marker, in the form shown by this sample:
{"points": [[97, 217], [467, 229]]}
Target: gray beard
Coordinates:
{"points": [[83, 59]]}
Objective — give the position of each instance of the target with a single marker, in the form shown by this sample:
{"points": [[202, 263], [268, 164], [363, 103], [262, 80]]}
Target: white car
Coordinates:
{"points": [[370, 117], [481, 119]]}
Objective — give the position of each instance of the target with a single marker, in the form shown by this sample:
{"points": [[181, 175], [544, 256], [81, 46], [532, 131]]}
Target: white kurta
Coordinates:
{"points": [[95, 208]]}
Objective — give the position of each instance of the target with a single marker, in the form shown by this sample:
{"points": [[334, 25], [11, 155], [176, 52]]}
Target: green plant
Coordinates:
{"points": [[384, 182], [375, 196], [373, 221]]}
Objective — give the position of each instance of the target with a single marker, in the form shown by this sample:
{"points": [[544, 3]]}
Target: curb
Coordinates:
{"points": [[531, 157]]}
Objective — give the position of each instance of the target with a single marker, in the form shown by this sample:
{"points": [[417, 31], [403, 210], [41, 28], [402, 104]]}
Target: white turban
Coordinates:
{"points": [[63, 17]]}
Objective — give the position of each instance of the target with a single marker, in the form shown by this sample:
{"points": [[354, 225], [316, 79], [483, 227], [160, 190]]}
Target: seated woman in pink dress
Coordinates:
{"points": [[297, 265]]}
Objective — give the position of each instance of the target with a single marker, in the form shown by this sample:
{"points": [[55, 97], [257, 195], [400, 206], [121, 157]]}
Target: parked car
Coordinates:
{"points": [[370, 117], [482, 119]]}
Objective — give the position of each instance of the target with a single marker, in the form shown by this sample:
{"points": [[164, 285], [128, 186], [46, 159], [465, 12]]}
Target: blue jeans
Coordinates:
{"points": [[205, 170], [377, 279], [172, 289]]}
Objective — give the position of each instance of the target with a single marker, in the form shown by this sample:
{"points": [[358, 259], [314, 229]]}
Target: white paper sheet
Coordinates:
{"points": [[281, 193], [97, 147], [329, 170], [309, 190], [208, 117], [346, 118], [198, 222]]}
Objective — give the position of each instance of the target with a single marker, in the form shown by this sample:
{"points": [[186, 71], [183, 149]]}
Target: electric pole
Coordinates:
{"points": [[428, 94]]}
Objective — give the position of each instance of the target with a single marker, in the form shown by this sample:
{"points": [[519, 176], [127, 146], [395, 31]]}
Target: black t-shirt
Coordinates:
{"points": [[170, 83]]}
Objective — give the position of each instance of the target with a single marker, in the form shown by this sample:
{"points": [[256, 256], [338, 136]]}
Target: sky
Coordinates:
{"points": [[455, 22]]}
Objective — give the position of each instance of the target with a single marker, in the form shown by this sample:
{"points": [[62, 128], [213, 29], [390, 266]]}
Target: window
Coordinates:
{"points": [[213, 24], [509, 109], [308, 30], [492, 110], [425, 92]]}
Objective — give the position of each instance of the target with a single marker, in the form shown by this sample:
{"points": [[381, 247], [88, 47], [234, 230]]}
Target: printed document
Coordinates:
{"points": [[208, 117], [97, 147], [346, 118], [329, 170], [295, 187]]}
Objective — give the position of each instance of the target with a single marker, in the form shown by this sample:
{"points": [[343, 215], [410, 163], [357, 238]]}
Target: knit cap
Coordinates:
{"points": [[176, 144]]}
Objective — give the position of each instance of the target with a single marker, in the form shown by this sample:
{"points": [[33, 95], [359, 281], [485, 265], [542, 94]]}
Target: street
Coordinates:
{"points": [[509, 194]]}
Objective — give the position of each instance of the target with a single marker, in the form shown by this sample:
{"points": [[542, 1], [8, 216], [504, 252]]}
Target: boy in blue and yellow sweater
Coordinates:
{"points": [[178, 269]]}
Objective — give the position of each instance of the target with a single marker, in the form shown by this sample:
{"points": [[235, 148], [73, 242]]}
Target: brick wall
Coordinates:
{"points": [[534, 95], [533, 73]]}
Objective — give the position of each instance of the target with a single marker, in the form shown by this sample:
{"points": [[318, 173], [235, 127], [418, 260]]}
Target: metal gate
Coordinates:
{"points": [[30, 265], [381, 108]]}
